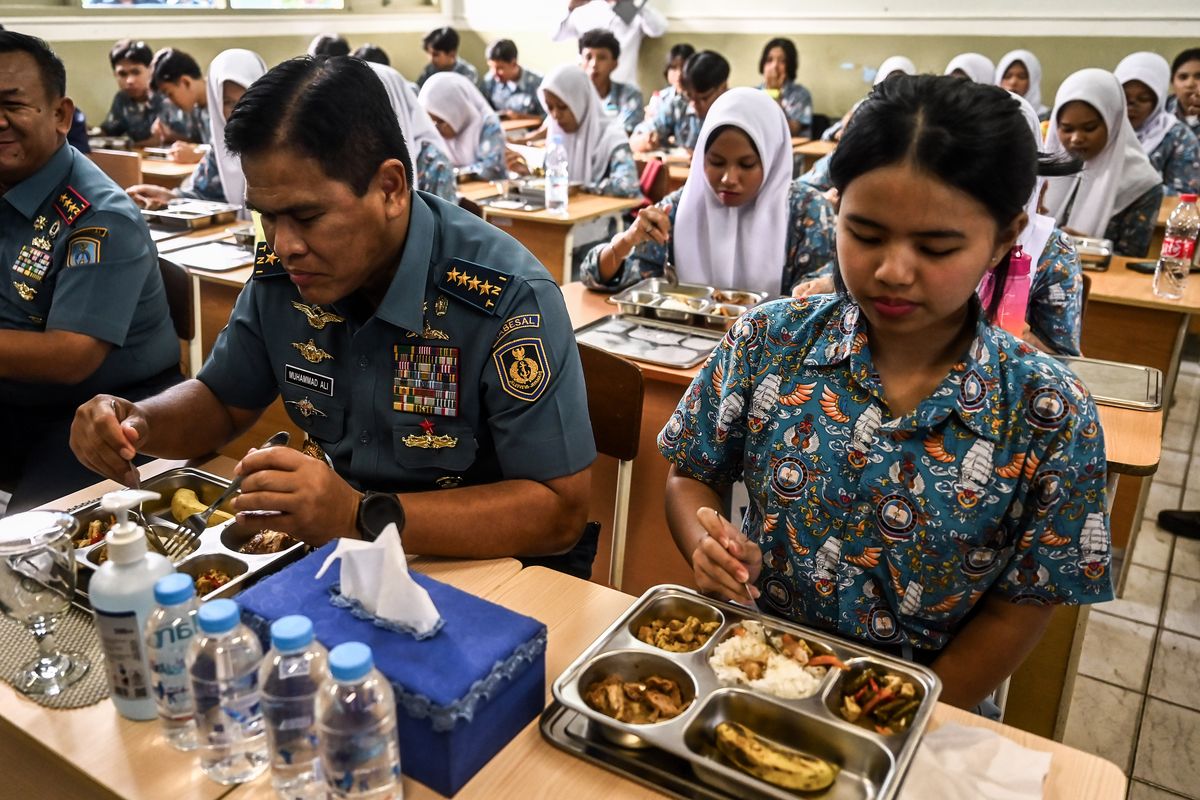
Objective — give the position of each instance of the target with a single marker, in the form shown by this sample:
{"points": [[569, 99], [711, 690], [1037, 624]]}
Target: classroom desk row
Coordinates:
{"points": [[92, 752]]}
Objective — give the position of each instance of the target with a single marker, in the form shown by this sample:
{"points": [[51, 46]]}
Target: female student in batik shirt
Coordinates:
{"points": [[738, 222], [919, 480], [1169, 143], [1185, 83], [470, 129], [1118, 193], [434, 173]]}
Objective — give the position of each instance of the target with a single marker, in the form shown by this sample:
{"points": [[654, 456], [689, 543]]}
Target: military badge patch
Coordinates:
{"points": [[83, 250], [517, 323], [474, 284], [522, 367]]}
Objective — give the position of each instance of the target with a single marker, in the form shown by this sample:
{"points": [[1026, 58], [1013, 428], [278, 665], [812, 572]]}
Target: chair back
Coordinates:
{"points": [[123, 166], [470, 205], [179, 298], [614, 394], [1087, 289]]}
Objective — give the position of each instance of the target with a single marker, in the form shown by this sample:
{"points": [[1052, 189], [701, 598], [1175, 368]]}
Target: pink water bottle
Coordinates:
{"points": [[1014, 304]]}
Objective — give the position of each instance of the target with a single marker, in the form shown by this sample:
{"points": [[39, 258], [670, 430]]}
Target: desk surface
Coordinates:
{"points": [[519, 123], [814, 148], [1121, 285], [162, 168], [477, 190], [580, 208], [1133, 439]]}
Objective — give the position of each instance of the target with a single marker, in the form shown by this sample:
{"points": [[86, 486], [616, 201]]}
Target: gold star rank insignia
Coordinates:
{"points": [[26, 291], [473, 284], [311, 352], [315, 316]]}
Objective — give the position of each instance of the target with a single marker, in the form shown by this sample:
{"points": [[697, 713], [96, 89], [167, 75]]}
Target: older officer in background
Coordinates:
{"points": [[426, 354], [82, 306]]}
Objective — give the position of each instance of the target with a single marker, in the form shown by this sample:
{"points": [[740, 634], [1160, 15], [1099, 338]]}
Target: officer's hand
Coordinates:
{"points": [[725, 560], [822, 285], [314, 503], [147, 195], [652, 225], [105, 435]]}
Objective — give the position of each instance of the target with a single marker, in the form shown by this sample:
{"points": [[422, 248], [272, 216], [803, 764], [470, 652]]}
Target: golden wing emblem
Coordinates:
{"points": [[798, 396], [829, 404], [1026, 540], [867, 559], [947, 604], [1052, 539], [1013, 468], [860, 341], [895, 574], [935, 450], [718, 376], [794, 537], [770, 522], [316, 317]]}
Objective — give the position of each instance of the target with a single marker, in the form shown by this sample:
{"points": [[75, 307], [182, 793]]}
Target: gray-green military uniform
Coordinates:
{"points": [[78, 258], [468, 373]]}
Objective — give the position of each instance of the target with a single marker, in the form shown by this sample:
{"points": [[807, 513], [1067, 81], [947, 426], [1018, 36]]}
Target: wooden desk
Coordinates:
{"points": [[813, 150], [95, 753], [550, 237], [519, 123], [477, 190], [161, 172]]}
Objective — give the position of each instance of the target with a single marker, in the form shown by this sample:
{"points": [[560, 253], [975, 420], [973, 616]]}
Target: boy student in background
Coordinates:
{"points": [[673, 72], [599, 55], [705, 78], [1185, 82], [137, 111], [176, 76], [510, 88], [372, 54], [441, 46], [778, 65], [920, 480], [1172, 148], [583, 16], [328, 44]]}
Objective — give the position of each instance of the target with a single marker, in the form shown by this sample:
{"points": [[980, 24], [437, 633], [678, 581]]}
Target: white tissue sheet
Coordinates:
{"points": [[375, 575], [956, 761]]}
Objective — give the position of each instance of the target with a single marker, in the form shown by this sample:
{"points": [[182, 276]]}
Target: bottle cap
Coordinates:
{"points": [[291, 633], [125, 540], [219, 616], [1187, 198], [350, 662], [173, 589]]}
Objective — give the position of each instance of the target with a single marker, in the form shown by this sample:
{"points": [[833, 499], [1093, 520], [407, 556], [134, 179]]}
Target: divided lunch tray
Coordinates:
{"points": [[1118, 384], [218, 545], [650, 340], [872, 765], [192, 214], [688, 303]]}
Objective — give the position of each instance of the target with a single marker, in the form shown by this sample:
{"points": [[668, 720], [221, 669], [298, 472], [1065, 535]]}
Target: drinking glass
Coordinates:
{"points": [[37, 582]]}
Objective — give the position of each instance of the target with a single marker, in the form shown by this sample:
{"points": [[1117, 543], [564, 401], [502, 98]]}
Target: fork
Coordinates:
{"points": [[140, 518], [188, 532]]}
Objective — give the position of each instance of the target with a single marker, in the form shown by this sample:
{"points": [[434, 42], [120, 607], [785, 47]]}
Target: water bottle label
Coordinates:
{"points": [[122, 642], [1177, 247], [171, 685], [293, 666], [361, 762]]}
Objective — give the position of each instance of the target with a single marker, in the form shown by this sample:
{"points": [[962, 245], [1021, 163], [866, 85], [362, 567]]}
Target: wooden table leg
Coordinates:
{"points": [[547, 242]]}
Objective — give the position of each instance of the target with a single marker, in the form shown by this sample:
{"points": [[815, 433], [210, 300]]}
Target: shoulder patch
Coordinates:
{"points": [[474, 284], [266, 263], [83, 247], [522, 367], [70, 205]]}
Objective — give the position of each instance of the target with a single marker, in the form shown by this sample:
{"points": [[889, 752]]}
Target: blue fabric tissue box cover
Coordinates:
{"points": [[461, 695]]}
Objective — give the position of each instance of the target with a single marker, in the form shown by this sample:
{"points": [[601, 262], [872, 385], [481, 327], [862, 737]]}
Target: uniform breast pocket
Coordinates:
{"points": [[444, 446], [322, 417]]}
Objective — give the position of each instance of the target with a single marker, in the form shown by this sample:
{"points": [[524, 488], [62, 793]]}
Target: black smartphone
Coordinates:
{"points": [[1145, 267]]}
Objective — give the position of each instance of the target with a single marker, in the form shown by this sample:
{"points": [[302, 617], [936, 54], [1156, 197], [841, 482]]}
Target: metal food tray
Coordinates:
{"points": [[192, 214], [218, 545], [1094, 253], [1116, 384], [613, 334], [707, 306], [872, 765]]}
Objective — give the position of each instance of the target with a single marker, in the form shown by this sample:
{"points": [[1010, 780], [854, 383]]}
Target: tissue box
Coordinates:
{"points": [[461, 695]]}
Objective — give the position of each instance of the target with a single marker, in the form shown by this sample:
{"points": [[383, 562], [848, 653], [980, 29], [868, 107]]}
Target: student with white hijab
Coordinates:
{"points": [[434, 172], [973, 66], [598, 153], [739, 221], [218, 176], [1020, 72], [892, 65], [1118, 193], [1171, 146], [469, 127]]}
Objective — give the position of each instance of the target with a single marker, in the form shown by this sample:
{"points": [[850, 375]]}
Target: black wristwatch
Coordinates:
{"points": [[377, 510]]}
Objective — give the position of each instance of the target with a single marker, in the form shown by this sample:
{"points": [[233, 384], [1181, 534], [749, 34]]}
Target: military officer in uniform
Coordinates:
{"points": [[82, 306], [426, 354]]}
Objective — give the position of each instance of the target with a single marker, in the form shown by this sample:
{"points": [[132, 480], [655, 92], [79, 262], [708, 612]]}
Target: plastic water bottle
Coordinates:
{"points": [[557, 180], [356, 717], [223, 661], [1178, 249], [291, 675], [169, 633], [1015, 303]]}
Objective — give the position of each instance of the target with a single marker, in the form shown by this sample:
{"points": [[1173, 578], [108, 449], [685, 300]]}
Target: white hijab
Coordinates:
{"points": [[453, 98], [590, 147], [1034, 67], [894, 64], [741, 248], [414, 122], [977, 67], [1040, 227], [242, 67], [1154, 71], [1112, 180]]}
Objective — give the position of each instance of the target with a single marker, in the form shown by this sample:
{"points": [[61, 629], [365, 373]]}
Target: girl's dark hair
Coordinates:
{"points": [[968, 135], [372, 53], [133, 50], [717, 131], [790, 57], [1191, 54], [704, 71], [679, 53]]}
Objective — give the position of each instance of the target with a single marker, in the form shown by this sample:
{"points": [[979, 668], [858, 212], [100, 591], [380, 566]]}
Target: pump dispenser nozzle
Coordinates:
{"points": [[126, 540]]}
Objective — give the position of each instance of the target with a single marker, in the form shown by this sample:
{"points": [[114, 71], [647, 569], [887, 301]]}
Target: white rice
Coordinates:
{"points": [[783, 677]]}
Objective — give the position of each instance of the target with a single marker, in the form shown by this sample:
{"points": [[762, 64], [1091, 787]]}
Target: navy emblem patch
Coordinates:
{"points": [[523, 369], [70, 205], [84, 246], [474, 284]]}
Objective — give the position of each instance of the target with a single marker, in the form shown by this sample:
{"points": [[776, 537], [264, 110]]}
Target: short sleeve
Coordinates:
{"points": [[621, 180], [1132, 228], [239, 370], [811, 236], [533, 391], [108, 261], [644, 261], [435, 175], [1056, 297], [1063, 548]]}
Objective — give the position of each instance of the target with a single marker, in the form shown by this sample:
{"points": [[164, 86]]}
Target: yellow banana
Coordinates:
{"points": [[771, 762], [184, 503]]}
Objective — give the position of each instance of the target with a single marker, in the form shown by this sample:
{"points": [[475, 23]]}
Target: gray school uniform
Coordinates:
{"points": [[464, 68], [467, 373]]}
